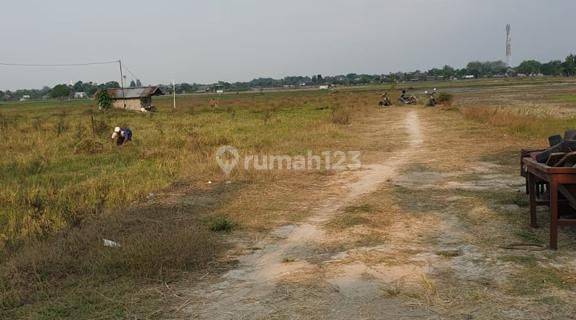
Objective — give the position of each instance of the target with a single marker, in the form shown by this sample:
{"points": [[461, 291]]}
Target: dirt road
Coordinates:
{"points": [[249, 291], [440, 255]]}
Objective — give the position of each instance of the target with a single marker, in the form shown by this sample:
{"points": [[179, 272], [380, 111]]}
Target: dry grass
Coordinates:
{"points": [[63, 167], [500, 281], [526, 122], [66, 187], [341, 115], [157, 241], [445, 99]]}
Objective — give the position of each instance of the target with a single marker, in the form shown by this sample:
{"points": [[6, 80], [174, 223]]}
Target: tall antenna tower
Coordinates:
{"points": [[508, 44]]}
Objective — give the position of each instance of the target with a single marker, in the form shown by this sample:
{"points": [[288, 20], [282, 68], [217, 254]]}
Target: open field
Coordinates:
{"points": [[420, 231]]}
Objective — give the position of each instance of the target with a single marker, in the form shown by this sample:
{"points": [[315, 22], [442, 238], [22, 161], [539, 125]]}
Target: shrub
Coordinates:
{"points": [[445, 98], [221, 224]]}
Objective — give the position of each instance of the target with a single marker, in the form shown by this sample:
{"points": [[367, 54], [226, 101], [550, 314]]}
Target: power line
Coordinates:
{"points": [[56, 65], [130, 72]]}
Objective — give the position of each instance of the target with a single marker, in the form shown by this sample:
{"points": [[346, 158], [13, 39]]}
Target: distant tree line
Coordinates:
{"points": [[474, 69], [59, 91]]}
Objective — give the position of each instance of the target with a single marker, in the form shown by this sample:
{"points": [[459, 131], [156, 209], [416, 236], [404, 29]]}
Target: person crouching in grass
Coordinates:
{"points": [[122, 135]]}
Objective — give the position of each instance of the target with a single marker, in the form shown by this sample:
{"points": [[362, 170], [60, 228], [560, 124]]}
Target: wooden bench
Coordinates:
{"points": [[559, 194]]}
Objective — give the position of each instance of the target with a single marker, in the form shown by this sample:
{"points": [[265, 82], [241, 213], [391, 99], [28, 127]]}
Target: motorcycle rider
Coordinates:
{"points": [[403, 96], [431, 98]]}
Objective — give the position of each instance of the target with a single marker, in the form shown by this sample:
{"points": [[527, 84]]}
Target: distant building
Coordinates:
{"points": [[80, 95], [324, 87], [203, 89], [133, 98], [25, 97], [469, 76]]}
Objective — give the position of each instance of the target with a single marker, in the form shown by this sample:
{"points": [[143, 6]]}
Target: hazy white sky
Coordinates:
{"points": [[237, 40]]}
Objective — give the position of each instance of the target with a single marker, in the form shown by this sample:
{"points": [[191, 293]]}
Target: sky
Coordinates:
{"points": [[237, 40]]}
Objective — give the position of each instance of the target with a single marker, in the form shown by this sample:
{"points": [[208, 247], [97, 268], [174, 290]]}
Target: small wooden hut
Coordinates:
{"points": [[133, 98]]}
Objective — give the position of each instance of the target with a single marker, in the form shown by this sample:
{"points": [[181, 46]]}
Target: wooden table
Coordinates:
{"points": [[559, 180]]}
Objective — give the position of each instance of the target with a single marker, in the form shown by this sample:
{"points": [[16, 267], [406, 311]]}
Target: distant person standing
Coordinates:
{"points": [[122, 135]]}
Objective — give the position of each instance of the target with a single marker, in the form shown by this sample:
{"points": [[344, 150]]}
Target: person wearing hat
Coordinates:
{"points": [[122, 135]]}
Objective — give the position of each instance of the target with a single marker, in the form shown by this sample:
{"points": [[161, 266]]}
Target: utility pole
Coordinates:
{"points": [[174, 92], [122, 83]]}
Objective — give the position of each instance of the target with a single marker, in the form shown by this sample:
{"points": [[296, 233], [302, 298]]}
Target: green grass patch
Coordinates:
{"points": [[525, 260], [535, 279], [567, 98], [222, 224], [363, 208], [528, 235]]}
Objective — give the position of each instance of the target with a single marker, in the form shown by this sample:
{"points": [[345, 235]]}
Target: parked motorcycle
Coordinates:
{"points": [[385, 101], [408, 100]]}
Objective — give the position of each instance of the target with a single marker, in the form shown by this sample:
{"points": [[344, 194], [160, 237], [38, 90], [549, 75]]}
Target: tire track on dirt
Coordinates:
{"points": [[241, 291]]}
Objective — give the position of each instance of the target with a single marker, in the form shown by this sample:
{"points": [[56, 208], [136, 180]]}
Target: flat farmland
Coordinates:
{"points": [[421, 229]]}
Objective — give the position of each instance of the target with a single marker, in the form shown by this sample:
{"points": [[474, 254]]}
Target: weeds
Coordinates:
{"points": [[359, 209], [61, 127], [445, 98], [88, 146], [341, 115], [222, 224], [99, 127], [533, 278]]}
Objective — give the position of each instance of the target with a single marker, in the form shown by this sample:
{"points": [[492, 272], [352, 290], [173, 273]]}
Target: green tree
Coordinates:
{"points": [[60, 91], [552, 68], [78, 86], [529, 67], [132, 84], [569, 65], [435, 72], [495, 67], [475, 68], [103, 99], [448, 71], [487, 68]]}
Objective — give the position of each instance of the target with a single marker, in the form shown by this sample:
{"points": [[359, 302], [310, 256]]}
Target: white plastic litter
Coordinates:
{"points": [[111, 244]]}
